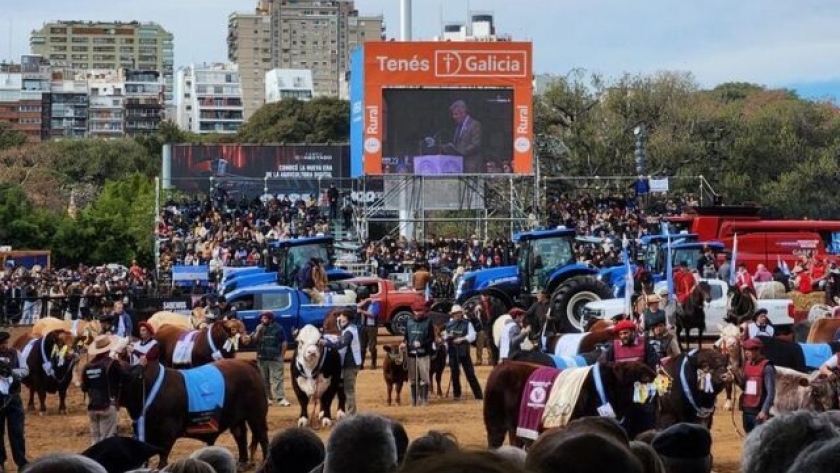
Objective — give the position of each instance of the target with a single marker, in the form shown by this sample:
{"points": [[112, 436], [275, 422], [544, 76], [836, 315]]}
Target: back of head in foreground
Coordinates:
{"points": [[361, 444], [684, 448], [647, 456], [432, 444], [189, 465], [219, 458], [463, 462], [773, 446], [294, 450], [63, 463], [819, 457], [581, 453]]}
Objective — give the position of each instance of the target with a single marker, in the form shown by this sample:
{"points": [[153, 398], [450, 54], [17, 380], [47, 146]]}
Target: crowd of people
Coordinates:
{"points": [[370, 443]]}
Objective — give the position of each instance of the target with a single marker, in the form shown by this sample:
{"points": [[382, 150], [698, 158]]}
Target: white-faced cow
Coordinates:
{"points": [[316, 376]]}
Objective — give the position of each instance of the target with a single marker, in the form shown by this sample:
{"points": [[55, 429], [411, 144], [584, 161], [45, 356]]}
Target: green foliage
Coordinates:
{"points": [[98, 160], [10, 138], [321, 120]]}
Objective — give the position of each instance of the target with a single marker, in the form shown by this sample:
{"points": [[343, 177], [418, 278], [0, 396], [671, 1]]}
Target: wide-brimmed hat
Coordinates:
{"points": [[103, 344], [654, 299], [456, 309]]}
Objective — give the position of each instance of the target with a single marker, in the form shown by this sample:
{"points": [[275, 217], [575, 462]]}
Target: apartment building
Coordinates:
{"points": [[106, 104], [209, 99], [316, 35], [144, 102], [288, 84], [22, 87], [65, 109], [107, 45]]}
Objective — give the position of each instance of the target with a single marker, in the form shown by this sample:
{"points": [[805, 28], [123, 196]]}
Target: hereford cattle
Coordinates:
{"points": [[695, 378], [50, 360], [395, 370], [796, 391], [220, 340], [157, 399], [823, 330], [159, 319], [506, 385], [316, 376]]}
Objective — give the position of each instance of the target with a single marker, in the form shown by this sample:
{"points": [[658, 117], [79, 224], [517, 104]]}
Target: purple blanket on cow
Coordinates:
{"points": [[533, 402]]}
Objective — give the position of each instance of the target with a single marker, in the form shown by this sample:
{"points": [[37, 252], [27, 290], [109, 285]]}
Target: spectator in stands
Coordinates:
{"points": [[332, 198]]}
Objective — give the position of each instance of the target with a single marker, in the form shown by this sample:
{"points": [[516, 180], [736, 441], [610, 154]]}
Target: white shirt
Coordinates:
{"points": [[753, 330]]}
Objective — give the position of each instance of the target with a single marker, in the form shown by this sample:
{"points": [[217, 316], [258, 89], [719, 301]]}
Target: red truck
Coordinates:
{"points": [[395, 303], [763, 241]]}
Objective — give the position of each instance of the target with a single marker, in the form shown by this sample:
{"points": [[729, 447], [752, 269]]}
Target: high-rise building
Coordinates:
{"points": [[108, 45], [209, 99], [317, 35], [22, 88]]}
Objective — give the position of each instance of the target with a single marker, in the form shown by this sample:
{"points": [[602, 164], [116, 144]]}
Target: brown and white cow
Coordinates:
{"points": [[395, 371], [799, 391]]}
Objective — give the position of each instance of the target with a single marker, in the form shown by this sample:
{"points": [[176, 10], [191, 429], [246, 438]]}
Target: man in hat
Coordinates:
{"points": [[271, 342], [458, 334], [659, 337], [629, 346], [147, 349], [349, 339], [212, 312], [11, 414], [758, 383], [418, 343], [101, 379], [684, 448], [760, 326]]}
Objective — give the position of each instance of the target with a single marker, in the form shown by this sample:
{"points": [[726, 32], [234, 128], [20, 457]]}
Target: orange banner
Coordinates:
{"points": [[452, 65]]}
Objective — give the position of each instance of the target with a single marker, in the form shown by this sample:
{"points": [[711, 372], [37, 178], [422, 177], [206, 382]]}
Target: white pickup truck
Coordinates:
{"points": [[780, 311]]}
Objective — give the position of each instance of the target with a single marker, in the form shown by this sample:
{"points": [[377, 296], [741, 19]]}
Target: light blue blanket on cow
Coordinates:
{"points": [[205, 388], [816, 354], [562, 362]]}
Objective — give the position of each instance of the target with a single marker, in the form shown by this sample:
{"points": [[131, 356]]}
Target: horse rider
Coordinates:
{"points": [[743, 279], [349, 339], [419, 345], [760, 326], [684, 283], [514, 332], [663, 340], [124, 326], [629, 346], [12, 413], [147, 349], [458, 335], [101, 380], [758, 382]]}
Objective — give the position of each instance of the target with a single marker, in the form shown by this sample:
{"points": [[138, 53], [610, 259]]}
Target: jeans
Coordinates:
{"points": [[349, 377], [750, 421], [12, 417], [418, 370], [272, 375], [457, 360]]}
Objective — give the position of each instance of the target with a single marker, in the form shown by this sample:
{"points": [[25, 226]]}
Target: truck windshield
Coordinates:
{"points": [[655, 257]]}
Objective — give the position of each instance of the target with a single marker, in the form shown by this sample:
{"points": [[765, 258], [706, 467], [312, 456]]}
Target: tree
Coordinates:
{"points": [[320, 120], [10, 138]]}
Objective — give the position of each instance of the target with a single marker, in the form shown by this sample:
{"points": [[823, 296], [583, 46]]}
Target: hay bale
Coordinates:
{"points": [[804, 302]]}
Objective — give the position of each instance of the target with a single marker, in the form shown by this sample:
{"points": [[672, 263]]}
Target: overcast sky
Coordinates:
{"points": [[773, 42]]}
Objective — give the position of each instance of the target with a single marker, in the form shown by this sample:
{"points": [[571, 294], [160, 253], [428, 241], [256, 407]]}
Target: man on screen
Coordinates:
{"points": [[466, 141]]}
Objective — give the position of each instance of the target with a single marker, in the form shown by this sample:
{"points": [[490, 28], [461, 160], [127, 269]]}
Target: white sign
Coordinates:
{"points": [[659, 185]]}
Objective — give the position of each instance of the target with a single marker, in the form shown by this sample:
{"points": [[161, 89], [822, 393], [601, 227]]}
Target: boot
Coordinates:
{"points": [[413, 394], [373, 360], [424, 394]]}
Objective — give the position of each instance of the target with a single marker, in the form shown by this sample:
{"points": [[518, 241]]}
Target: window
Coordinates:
{"points": [[244, 303]]}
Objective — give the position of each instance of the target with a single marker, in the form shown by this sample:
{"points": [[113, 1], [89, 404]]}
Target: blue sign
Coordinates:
{"points": [[357, 107]]}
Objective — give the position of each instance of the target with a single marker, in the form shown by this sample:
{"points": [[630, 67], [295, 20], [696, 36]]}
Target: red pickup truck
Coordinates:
{"points": [[395, 303]]}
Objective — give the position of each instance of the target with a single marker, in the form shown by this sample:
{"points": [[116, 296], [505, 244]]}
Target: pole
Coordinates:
{"points": [[510, 182], [154, 225]]}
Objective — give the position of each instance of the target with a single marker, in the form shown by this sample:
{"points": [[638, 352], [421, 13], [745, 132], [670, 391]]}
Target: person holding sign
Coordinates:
{"points": [[758, 381]]}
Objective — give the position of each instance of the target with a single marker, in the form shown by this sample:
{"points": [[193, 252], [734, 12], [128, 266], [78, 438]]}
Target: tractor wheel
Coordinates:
{"points": [[571, 296]]}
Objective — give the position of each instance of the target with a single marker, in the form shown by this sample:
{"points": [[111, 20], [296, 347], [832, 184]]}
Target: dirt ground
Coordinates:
{"points": [[54, 433]]}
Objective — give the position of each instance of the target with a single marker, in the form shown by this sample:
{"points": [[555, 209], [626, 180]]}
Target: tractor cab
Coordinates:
{"points": [[541, 253]]}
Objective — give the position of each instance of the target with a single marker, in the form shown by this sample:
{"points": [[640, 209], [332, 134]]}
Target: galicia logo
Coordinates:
{"points": [[480, 63]]}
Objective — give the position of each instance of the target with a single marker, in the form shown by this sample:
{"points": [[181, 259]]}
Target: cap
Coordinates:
{"points": [[753, 344], [516, 312], [418, 306], [761, 311], [625, 325], [683, 440]]}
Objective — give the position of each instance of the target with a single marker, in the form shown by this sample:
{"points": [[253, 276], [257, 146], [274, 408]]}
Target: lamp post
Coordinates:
{"points": [[641, 151]]}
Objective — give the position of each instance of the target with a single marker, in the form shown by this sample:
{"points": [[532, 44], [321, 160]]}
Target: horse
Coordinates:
{"points": [[220, 340], [84, 330], [693, 314], [157, 397], [696, 378], [506, 387], [740, 306], [51, 360], [598, 333], [159, 319], [316, 376]]}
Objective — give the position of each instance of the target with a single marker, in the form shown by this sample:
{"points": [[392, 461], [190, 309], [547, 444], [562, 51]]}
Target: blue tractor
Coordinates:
{"points": [[285, 259], [546, 263]]}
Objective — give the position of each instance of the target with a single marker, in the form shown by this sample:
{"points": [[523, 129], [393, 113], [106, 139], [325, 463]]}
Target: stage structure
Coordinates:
{"points": [[443, 126]]}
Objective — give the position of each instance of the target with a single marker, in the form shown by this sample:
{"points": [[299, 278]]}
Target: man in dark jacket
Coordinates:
{"points": [[418, 343], [100, 381], [458, 335], [11, 414], [332, 196], [271, 342]]}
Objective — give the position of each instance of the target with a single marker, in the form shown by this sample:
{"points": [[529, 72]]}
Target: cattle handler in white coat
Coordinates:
{"points": [[349, 338]]}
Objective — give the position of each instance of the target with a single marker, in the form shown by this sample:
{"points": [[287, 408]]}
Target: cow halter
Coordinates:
{"points": [[701, 411]]}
